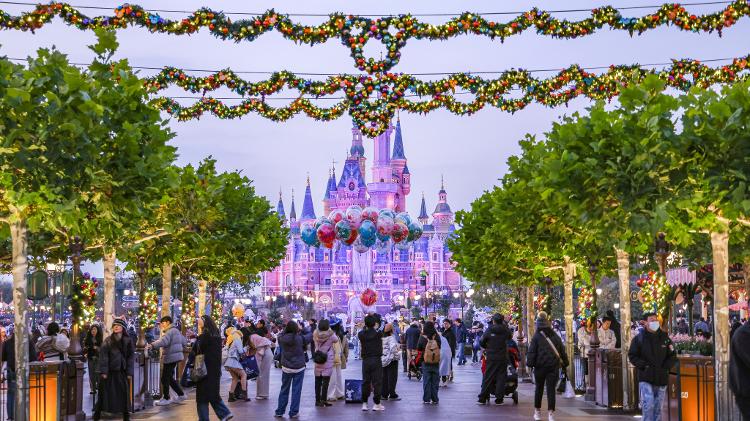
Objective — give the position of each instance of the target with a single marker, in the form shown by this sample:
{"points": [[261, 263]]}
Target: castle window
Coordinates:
{"points": [[328, 281], [434, 256], [325, 257], [395, 281]]}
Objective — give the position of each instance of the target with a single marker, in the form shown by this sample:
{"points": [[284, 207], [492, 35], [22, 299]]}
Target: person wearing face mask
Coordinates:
{"points": [[653, 355]]}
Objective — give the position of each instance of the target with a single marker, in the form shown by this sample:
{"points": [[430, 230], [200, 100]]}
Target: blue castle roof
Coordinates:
{"points": [[398, 143], [351, 170], [308, 211]]}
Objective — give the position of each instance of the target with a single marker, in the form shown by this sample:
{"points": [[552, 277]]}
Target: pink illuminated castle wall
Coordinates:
{"points": [[334, 276]]}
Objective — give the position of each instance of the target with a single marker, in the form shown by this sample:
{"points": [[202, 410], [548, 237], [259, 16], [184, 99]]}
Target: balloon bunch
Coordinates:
{"points": [[361, 229], [586, 308], [393, 32]]}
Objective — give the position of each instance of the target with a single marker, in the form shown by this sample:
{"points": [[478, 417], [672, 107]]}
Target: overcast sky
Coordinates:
{"points": [[469, 151]]}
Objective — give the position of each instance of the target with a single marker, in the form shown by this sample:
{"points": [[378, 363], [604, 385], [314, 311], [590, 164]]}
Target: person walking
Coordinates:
{"points": [[495, 344], [116, 363], [91, 346], [371, 349], [264, 357], [340, 356], [653, 355], [235, 350], [324, 339], [389, 360], [412, 339], [174, 345], [461, 336], [9, 358], [207, 389], [546, 355], [53, 346], [429, 346], [739, 369], [450, 335], [292, 344]]}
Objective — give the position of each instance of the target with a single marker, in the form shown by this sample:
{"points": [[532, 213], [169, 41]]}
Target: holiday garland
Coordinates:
{"points": [[541, 301], [372, 101], [217, 311], [654, 294], [516, 309], [586, 308], [393, 32], [83, 300], [188, 312], [147, 312]]}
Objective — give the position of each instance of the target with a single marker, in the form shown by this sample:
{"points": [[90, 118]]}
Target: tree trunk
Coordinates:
{"points": [[166, 289], [201, 299], [720, 249], [690, 317], [569, 272], [110, 259], [18, 235], [530, 315], [623, 272]]}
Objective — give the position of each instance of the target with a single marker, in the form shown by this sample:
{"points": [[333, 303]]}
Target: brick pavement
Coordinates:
{"points": [[457, 399]]}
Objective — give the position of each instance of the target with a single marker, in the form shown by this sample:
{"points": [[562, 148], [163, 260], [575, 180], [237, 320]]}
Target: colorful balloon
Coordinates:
{"points": [[352, 237], [320, 221], [370, 213], [415, 231], [336, 216], [385, 225], [359, 246], [343, 230], [403, 217], [308, 234], [400, 232], [369, 297], [326, 234], [387, 212], [368, 230], [354, 216]]}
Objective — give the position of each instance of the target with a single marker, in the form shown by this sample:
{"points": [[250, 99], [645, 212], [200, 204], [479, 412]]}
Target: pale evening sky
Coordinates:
{"points": [[469, 151]]}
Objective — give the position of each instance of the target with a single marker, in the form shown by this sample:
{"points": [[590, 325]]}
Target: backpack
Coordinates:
{"points": [[431, 351]]}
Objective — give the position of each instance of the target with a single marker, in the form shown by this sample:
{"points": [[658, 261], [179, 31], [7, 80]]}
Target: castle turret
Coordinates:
{"points": [[280, 208], [423, 217], [308, 211], [399, 170], [442, 218], [329, 198]]}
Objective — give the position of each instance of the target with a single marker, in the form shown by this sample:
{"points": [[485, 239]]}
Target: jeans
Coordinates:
{"points": [[390, 378], [168, 380], [430, 382], [652, 398], [493, 380], [220, 409], [460, 353], [321, 388], [548, 378], [372, 379], [11, 404], [293, 380]]}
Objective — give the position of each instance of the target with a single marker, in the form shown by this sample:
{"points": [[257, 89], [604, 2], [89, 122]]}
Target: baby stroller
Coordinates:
{"points": [[415, 366], [511, 378]]}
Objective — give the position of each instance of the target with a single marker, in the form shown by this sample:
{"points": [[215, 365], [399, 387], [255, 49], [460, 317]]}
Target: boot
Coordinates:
{"points": [[231, 397], [243, 396]]}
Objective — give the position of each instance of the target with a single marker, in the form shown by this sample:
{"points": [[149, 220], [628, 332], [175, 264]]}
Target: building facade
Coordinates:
{"points": [[333, 278]]}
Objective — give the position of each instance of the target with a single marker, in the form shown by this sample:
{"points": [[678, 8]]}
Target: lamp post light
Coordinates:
{"points": [[423, 280]]}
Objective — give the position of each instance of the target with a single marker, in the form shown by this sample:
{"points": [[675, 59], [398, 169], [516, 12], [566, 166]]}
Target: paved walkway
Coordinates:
{"points": [[459, 398]]}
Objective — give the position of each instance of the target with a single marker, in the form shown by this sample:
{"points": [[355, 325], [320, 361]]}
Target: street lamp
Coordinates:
{"points": [[594, 341], [661, 252], [423, 280]]}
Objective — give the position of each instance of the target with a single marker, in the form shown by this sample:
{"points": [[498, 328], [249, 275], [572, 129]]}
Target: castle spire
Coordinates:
{"points": [[423, 217], [308, 211], [292, 212], [280, 207], [398, 143]]}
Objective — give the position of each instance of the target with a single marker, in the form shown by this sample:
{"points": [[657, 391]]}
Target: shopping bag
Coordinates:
{"points": [[353, 390], [250, 364]]}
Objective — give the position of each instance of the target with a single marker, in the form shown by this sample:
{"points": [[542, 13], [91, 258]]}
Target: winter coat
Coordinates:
{"points": [[371, 343], [495, 343], [207, 389], [391, 350], [117, 356], [461, 333], [422, 345], [324, 342], [653, 355], [235, 352], [292, 350], [607, 339], [412, 336], [174, 345], [450, 336], [541, 356], [53, 347], [584, 341], [739, 362], [445, 356]]}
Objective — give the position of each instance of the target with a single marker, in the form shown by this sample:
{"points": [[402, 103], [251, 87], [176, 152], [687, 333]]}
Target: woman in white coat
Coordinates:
{"points": [[445, 361], [340, 355]]}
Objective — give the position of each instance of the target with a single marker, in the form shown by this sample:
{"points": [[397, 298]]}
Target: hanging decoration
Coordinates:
{"points": [[217, 310], [392, 32], [654, 293], [369, 297], [188, 312], [83, 300], [361, 229], [516, 310], [372, 101], [147, 311], [541, 301], [586, 308]]}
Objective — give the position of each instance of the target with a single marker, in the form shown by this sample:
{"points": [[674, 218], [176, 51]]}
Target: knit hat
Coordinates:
{"points": [[121, 323], [542, 320]]}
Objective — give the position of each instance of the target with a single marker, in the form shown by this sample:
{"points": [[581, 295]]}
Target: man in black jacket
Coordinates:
{"points": [[739, 369], [495, 345], [412, 338], [653, 355], [371, 343]]}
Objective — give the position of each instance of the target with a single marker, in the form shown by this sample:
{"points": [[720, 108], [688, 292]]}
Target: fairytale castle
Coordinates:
{"points": [[333, 278]]}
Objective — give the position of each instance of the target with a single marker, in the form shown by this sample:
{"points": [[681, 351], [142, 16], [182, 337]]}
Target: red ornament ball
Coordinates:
{"points": [[369, 297]]}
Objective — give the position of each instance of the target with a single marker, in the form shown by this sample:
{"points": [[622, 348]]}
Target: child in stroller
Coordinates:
{"points": [[415, 366], [511, 379]]}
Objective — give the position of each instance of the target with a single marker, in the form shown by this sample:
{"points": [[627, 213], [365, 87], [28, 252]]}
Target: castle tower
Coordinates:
{"points": [[442, 218], [423, 217], [293, 223], [308, 211], [382, 189], [329, 198], [351, 188], [357, 149], [280, 208], [399, 170]]}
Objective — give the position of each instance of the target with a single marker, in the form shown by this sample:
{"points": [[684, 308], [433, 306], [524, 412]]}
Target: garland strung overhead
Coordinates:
{"points": [[392, 31], [372, 101]]}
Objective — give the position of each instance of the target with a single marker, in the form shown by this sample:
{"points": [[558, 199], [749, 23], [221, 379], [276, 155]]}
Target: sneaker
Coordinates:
{"points": [[551, 416], [426, 402], [395, 398], [181, 398], [294, 415], [499, 402], [481, 402], [384, 398], [163, 402], [228, 417], [435, 402], [278, 415], [261, 398], [378, 407], [537, 415], [364, 407]]}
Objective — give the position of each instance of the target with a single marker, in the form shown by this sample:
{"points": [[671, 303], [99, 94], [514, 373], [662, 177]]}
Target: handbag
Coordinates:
{"points": [[199, 371], [250, 365]]}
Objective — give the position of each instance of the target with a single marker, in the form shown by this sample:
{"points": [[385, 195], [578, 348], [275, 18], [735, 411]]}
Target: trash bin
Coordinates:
{"points": [[612, 365]]}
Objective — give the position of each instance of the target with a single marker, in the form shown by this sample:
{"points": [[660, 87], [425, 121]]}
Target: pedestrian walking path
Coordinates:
{"points": [[458, 399]]}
